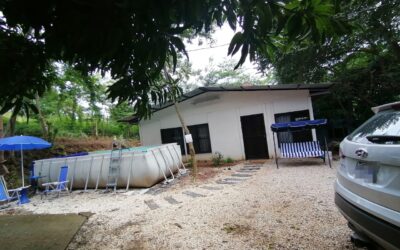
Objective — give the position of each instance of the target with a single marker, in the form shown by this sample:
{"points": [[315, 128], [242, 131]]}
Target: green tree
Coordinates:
{"points": [[132, 40], [364, 64]]}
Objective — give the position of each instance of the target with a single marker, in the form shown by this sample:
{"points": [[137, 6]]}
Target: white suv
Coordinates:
{"points": [[367, 189]]}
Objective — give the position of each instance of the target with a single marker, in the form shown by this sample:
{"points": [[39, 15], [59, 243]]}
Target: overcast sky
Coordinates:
{"points": [[199, 55]]}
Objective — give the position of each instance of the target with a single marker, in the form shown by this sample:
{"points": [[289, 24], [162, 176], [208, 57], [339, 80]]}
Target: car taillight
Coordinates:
{"points": [[341, 155], [396, 106]]}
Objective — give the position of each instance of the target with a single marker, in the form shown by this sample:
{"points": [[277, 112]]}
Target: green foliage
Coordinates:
{"points": [[74, 106], [217, 159], [364, 64], [68, 128], [133, 40], [24, 70], [229, 160]]}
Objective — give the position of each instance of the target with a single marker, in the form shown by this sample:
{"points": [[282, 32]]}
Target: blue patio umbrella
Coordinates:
{"points": [[21, 143]]}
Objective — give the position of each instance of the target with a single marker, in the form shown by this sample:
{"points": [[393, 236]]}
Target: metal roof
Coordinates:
{"points": [[315, 89]]}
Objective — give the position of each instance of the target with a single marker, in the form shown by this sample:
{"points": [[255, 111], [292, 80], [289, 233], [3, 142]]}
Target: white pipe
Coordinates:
{"points": [[158, 164], [98, 176], [177, 154], [173, 159], [166, 164]]}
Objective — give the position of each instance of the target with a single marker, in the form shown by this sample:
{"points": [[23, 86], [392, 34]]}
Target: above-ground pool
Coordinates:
{"points": [[139, 167]]}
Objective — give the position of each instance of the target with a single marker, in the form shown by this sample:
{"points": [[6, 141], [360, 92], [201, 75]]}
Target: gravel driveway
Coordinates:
{"points": [[241, 208]]}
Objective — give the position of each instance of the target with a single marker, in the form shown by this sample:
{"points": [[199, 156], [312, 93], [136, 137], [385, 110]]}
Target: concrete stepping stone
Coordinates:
{"points": [[151, 204], [226, 182], [156, 190], [171, 200], [241, 175], [251, 166], [244, 168], [211, 188], [246, 171], [193, 194], [234, 179]]}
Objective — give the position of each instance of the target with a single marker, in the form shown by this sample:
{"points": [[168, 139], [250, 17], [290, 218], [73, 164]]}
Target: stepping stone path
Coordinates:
{"points": [[151, 204], [242, 174], [193, 194], [211, 188], [171, 200]]}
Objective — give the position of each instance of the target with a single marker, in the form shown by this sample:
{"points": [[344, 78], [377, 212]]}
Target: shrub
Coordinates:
{"points": [[217, 159], [229, 160]]}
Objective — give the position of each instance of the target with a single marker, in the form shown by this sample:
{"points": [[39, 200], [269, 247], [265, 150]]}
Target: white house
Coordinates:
{"points": [[234, 121]]}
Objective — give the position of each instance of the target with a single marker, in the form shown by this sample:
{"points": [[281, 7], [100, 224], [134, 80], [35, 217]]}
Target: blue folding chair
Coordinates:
{"points": [[57, 186], [8, 194]]}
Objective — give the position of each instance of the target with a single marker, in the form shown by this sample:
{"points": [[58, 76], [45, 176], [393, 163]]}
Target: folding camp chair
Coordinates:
{"points": [[57, 186], [8, 194]]}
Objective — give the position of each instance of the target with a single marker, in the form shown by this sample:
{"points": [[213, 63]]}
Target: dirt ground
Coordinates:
{"points": [[245, 206]]}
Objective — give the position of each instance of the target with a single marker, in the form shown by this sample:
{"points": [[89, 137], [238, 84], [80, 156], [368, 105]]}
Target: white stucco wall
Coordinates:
{"points": [[222, 112]]}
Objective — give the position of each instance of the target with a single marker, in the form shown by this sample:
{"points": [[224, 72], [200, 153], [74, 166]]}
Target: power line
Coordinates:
{"points": [[214, 47]]}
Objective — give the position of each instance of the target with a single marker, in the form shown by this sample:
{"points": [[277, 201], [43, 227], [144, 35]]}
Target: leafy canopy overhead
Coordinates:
{"points": [[133, 40], [364, 63]]}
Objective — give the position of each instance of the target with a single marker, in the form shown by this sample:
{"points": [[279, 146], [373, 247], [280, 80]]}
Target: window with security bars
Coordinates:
{"points": [[171, 135], [200, 134], [201, 138], [294, 136]]}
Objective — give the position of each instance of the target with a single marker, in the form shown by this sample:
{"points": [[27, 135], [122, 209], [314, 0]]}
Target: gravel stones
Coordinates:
{"points": [[287, 208]]}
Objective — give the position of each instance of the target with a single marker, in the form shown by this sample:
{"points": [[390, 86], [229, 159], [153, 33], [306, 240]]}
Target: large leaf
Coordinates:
{"points": [[236, 43]]}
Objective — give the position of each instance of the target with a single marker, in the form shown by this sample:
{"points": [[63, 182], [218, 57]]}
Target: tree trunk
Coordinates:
{"points": [[191, 147], [96, 129], [43, 124], [11, 131], [2, 152]]}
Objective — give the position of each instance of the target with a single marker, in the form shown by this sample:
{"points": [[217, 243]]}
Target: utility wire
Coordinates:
{"points": [[213, 47]]}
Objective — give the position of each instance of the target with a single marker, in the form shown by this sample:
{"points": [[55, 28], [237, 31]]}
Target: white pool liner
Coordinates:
{"points": [[140, 167]]}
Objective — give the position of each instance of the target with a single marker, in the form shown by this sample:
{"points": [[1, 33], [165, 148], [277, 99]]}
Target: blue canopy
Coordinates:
{"points": [[299, 125], [23, 142]]}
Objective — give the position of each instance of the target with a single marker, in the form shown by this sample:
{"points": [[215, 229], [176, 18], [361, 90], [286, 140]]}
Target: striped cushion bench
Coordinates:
{"points": [[301, 149]]}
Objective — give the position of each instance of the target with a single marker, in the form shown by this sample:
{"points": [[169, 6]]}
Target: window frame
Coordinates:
{"points": [[179, 135], [296, 136], [194, 131]]}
